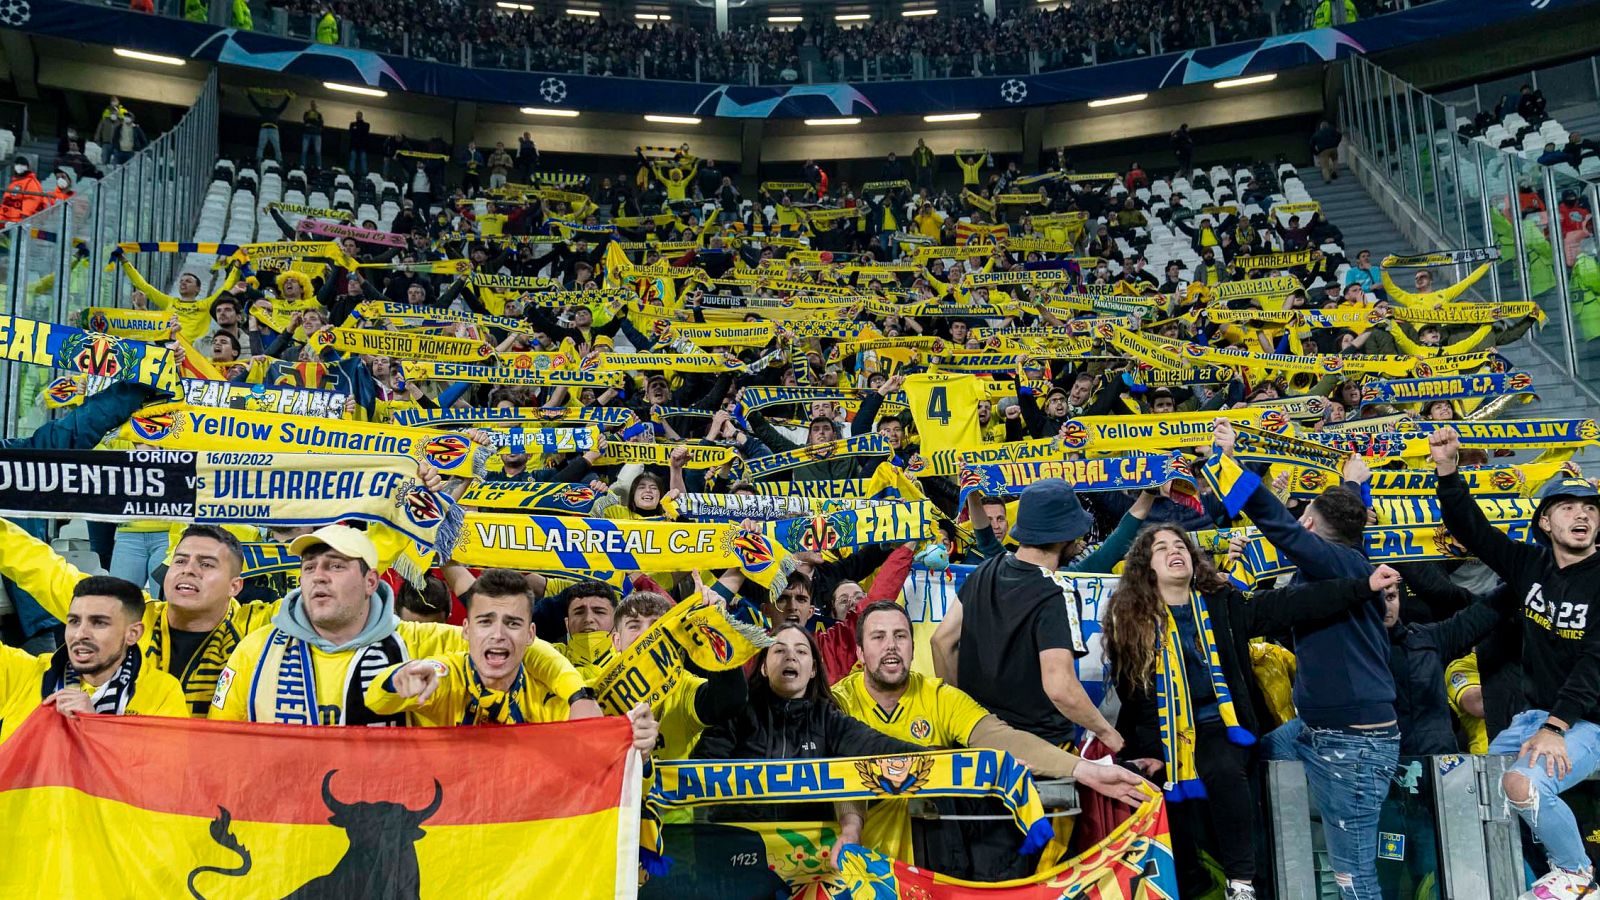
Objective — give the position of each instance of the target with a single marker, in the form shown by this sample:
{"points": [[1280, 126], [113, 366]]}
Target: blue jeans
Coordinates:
{"points": [[310, 144], [269, 137], [1348, 774], [1549, 817], [358, 163], [137, 555]]}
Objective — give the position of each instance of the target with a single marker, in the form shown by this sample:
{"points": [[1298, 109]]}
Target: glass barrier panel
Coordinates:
{"points": [[1576, 202], [1406, 129], [1409, 862], [496, 56], [38, 269], [1538, 251], [1498, 208], [380, 40], [1447, 194]]}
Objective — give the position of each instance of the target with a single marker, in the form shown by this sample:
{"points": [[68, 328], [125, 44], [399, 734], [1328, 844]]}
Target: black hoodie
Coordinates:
{"points": [[771, 727], [1560, 633]]}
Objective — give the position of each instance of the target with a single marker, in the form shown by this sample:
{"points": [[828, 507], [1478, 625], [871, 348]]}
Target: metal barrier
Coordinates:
{"points": [[1475, 195], [52, 263], [1444, 832]]}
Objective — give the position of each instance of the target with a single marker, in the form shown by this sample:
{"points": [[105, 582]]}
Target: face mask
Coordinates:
{"points": [[19, 168], [935, 557], [61, 183]]}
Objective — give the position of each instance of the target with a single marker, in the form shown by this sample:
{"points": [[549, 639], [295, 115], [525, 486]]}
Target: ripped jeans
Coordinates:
{"points": [[1549, 817], [1348, 774]]}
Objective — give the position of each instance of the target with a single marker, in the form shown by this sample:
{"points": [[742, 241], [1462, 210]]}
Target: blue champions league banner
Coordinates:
{"points": [[1419, 25]]}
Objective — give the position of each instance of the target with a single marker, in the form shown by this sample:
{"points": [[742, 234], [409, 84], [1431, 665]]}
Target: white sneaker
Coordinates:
{"points": [[1241, 892], [1559, 884]]}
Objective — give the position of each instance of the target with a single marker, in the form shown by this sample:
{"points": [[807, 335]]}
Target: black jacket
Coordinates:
{"points": [[1235, 618], [1417, 657], [770, 727], [1560, 659]]}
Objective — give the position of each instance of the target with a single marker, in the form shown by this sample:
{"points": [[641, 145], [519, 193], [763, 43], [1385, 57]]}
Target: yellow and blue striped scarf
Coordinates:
{"points": [[1174, 708]]}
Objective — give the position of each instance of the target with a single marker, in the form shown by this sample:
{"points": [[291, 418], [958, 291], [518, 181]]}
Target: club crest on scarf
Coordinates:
{"points": [[421, 506], [448, 452], [152, 428], [819, 533], [1313, 479], [63, 390], [579, 499], [95, 354], [1447, 545], [98, 322], [1587, 430], [1074, 436], [1274, 421], [1519, 381], [712, 637], [818, 451], [754, 552], [1506, 479], [894, 776], [916, 464]]}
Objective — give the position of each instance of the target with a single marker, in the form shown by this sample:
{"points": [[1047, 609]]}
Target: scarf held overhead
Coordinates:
{"points": [[178, 427]]}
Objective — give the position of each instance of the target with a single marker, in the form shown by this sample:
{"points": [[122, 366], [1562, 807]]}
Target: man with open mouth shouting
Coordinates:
{"points": [[1556, 737]]}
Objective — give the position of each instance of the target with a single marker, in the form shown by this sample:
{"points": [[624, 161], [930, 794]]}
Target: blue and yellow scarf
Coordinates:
{"points": [[1174, 707]]}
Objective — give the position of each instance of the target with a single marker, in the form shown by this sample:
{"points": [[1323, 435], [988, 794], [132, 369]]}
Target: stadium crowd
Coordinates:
{"points": [[807, 345], [1067, 36]]}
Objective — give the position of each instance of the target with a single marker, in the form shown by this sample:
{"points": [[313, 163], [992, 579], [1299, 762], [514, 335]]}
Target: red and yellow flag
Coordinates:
{"points": [[102, 806], [1133, 862]]}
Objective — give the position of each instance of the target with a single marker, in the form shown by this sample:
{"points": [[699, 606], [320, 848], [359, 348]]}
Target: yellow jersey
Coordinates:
{"points": [[970, 167], [36, 568], [930, 714], [155, 693], [194, 316], [1459, 677], [462, 699], [332, 672], [680, 728], [492, 224], [945, 408]]}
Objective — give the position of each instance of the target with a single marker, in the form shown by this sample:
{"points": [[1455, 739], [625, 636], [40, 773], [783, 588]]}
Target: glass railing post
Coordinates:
{"points": [[1485, 209], [1514, 214], [63, 291], [19, 294]]}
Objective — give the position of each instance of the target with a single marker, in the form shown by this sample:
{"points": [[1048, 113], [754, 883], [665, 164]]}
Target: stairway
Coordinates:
{"points": [[1347, 205]]}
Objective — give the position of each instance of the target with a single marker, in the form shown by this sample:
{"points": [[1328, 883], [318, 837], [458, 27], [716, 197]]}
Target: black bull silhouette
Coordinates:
{"points": [[381, 863]]}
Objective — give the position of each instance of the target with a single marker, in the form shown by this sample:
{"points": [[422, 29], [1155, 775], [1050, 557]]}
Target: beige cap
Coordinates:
{"points": [[344, 540]]}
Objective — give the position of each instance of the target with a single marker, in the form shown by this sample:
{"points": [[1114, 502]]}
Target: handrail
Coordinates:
{"points": [[51, 262]]}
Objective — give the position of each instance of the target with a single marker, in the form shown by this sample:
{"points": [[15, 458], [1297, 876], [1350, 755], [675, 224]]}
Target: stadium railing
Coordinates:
{"points": [[1478, 195], [154, 196]]}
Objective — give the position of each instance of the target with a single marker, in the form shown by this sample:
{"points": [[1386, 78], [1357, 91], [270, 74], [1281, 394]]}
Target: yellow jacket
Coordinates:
{"points": [[332, 670], [155, 693], [534, 702], [36, 568]]}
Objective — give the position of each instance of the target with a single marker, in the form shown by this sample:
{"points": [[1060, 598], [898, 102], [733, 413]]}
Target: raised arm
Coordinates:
{"points": [[35, 567], [1462, 517]]}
